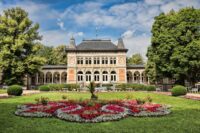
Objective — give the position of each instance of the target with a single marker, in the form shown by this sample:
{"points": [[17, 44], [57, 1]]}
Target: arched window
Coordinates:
{"points": [[56, 77], [143, 77], [137, 77], [64, 77], [113, 76], [49, 77], [41, 78], [88, 76], [129, 77], [96, 76], [80, 76], [105, 76]]}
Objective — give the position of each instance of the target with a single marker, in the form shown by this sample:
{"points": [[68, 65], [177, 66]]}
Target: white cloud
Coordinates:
{"points": [[128, 17], [61, 24], [127, 34], [137, 44], [58, 37], [154, 2]]}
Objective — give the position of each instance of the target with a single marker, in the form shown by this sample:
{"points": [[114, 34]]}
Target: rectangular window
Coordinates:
{"points": [[98, 60], [86, 61], [103, 61], [114, 60], [89, 60], [95, 60], [111, 60], [106, 60]]}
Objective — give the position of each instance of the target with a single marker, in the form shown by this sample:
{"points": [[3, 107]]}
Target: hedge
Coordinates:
{"points": [[136, 87], [178, 90], [58, 87], [44, 88], [15, 90]]}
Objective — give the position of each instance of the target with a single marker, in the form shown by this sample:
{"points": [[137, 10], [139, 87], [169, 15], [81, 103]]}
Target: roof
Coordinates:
{"points": [[97, 45], [54, 67], [129, 66]]}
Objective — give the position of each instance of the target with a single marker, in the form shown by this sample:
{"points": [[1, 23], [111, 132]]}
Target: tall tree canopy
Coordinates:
{"points": [[135, 59], [175, 46], [18, 46], [54, 56]]}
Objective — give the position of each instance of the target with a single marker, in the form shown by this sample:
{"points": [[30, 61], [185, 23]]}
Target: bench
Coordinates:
{"points": [[195, 90]]}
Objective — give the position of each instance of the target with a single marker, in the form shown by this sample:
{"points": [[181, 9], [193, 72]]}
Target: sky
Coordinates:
{"points": [[132, 20]]}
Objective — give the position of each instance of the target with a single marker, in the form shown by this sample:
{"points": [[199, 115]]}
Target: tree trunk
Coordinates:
{"points": [[27, 82]]}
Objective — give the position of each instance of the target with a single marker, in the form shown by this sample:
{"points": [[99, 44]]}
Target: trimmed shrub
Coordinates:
{"points": [[44, 88], [137, 87], [55, 87], [150, 88], [178, 90], [70, 87], [15, 90]]}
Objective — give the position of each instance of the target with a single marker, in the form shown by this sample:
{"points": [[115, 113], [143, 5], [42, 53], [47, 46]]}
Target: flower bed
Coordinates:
{"points": [[92, 111]]}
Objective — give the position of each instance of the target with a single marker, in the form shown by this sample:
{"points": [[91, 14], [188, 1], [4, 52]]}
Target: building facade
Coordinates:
{"points": [[97, 60]]}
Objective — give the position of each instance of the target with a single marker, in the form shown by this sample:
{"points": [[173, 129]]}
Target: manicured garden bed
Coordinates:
{"points": [[185, 116], [91, 111]]}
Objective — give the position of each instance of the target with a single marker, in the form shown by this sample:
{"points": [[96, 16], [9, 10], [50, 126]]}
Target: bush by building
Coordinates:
{"points": [[178, 90], [15, 90], [44, 88]]}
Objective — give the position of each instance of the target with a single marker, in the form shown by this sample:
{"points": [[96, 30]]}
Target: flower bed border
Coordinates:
{"points": [[104, 113]]}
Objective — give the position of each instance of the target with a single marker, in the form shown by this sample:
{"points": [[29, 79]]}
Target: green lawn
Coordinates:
{"points": [[3, 91], [185, 117]]}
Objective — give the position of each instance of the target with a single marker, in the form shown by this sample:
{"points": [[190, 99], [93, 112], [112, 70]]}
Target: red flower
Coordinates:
{"points": [[135, 110], [115, 108]]}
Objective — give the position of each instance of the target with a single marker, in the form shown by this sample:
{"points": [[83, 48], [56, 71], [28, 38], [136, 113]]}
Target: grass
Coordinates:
{"points": [[2, 91], [185, 117]]}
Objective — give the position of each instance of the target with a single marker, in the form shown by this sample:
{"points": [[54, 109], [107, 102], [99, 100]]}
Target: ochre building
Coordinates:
{"points": [[97, 60]]}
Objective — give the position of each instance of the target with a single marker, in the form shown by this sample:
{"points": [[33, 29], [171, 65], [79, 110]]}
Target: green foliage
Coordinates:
{"points": [[188, 108], [58, 87], [55, 87], [136, 87], [150, 88], [44, 88], [15, 90], [64, 97], [140, 101], [129, 97], [91, 88], [42, 100], [54, 56], [18, 45], [175, 46], [135, 59], [70, 87], [148, 99], [179, 90]]}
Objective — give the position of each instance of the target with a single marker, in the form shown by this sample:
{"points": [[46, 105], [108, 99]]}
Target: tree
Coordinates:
{"points": [[136, 59], [175, 45], [47, 53], [54, 56], [60, 54], [18, 45]]}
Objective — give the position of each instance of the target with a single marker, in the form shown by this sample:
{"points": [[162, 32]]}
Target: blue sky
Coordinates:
{"points": [[130, 19]]}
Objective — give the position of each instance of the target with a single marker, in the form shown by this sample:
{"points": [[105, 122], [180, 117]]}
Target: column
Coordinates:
{"points": [[44, 78], [140, 78], [148, 80], [36, 78], [60, 78], [52, 78], [109, 77]]}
